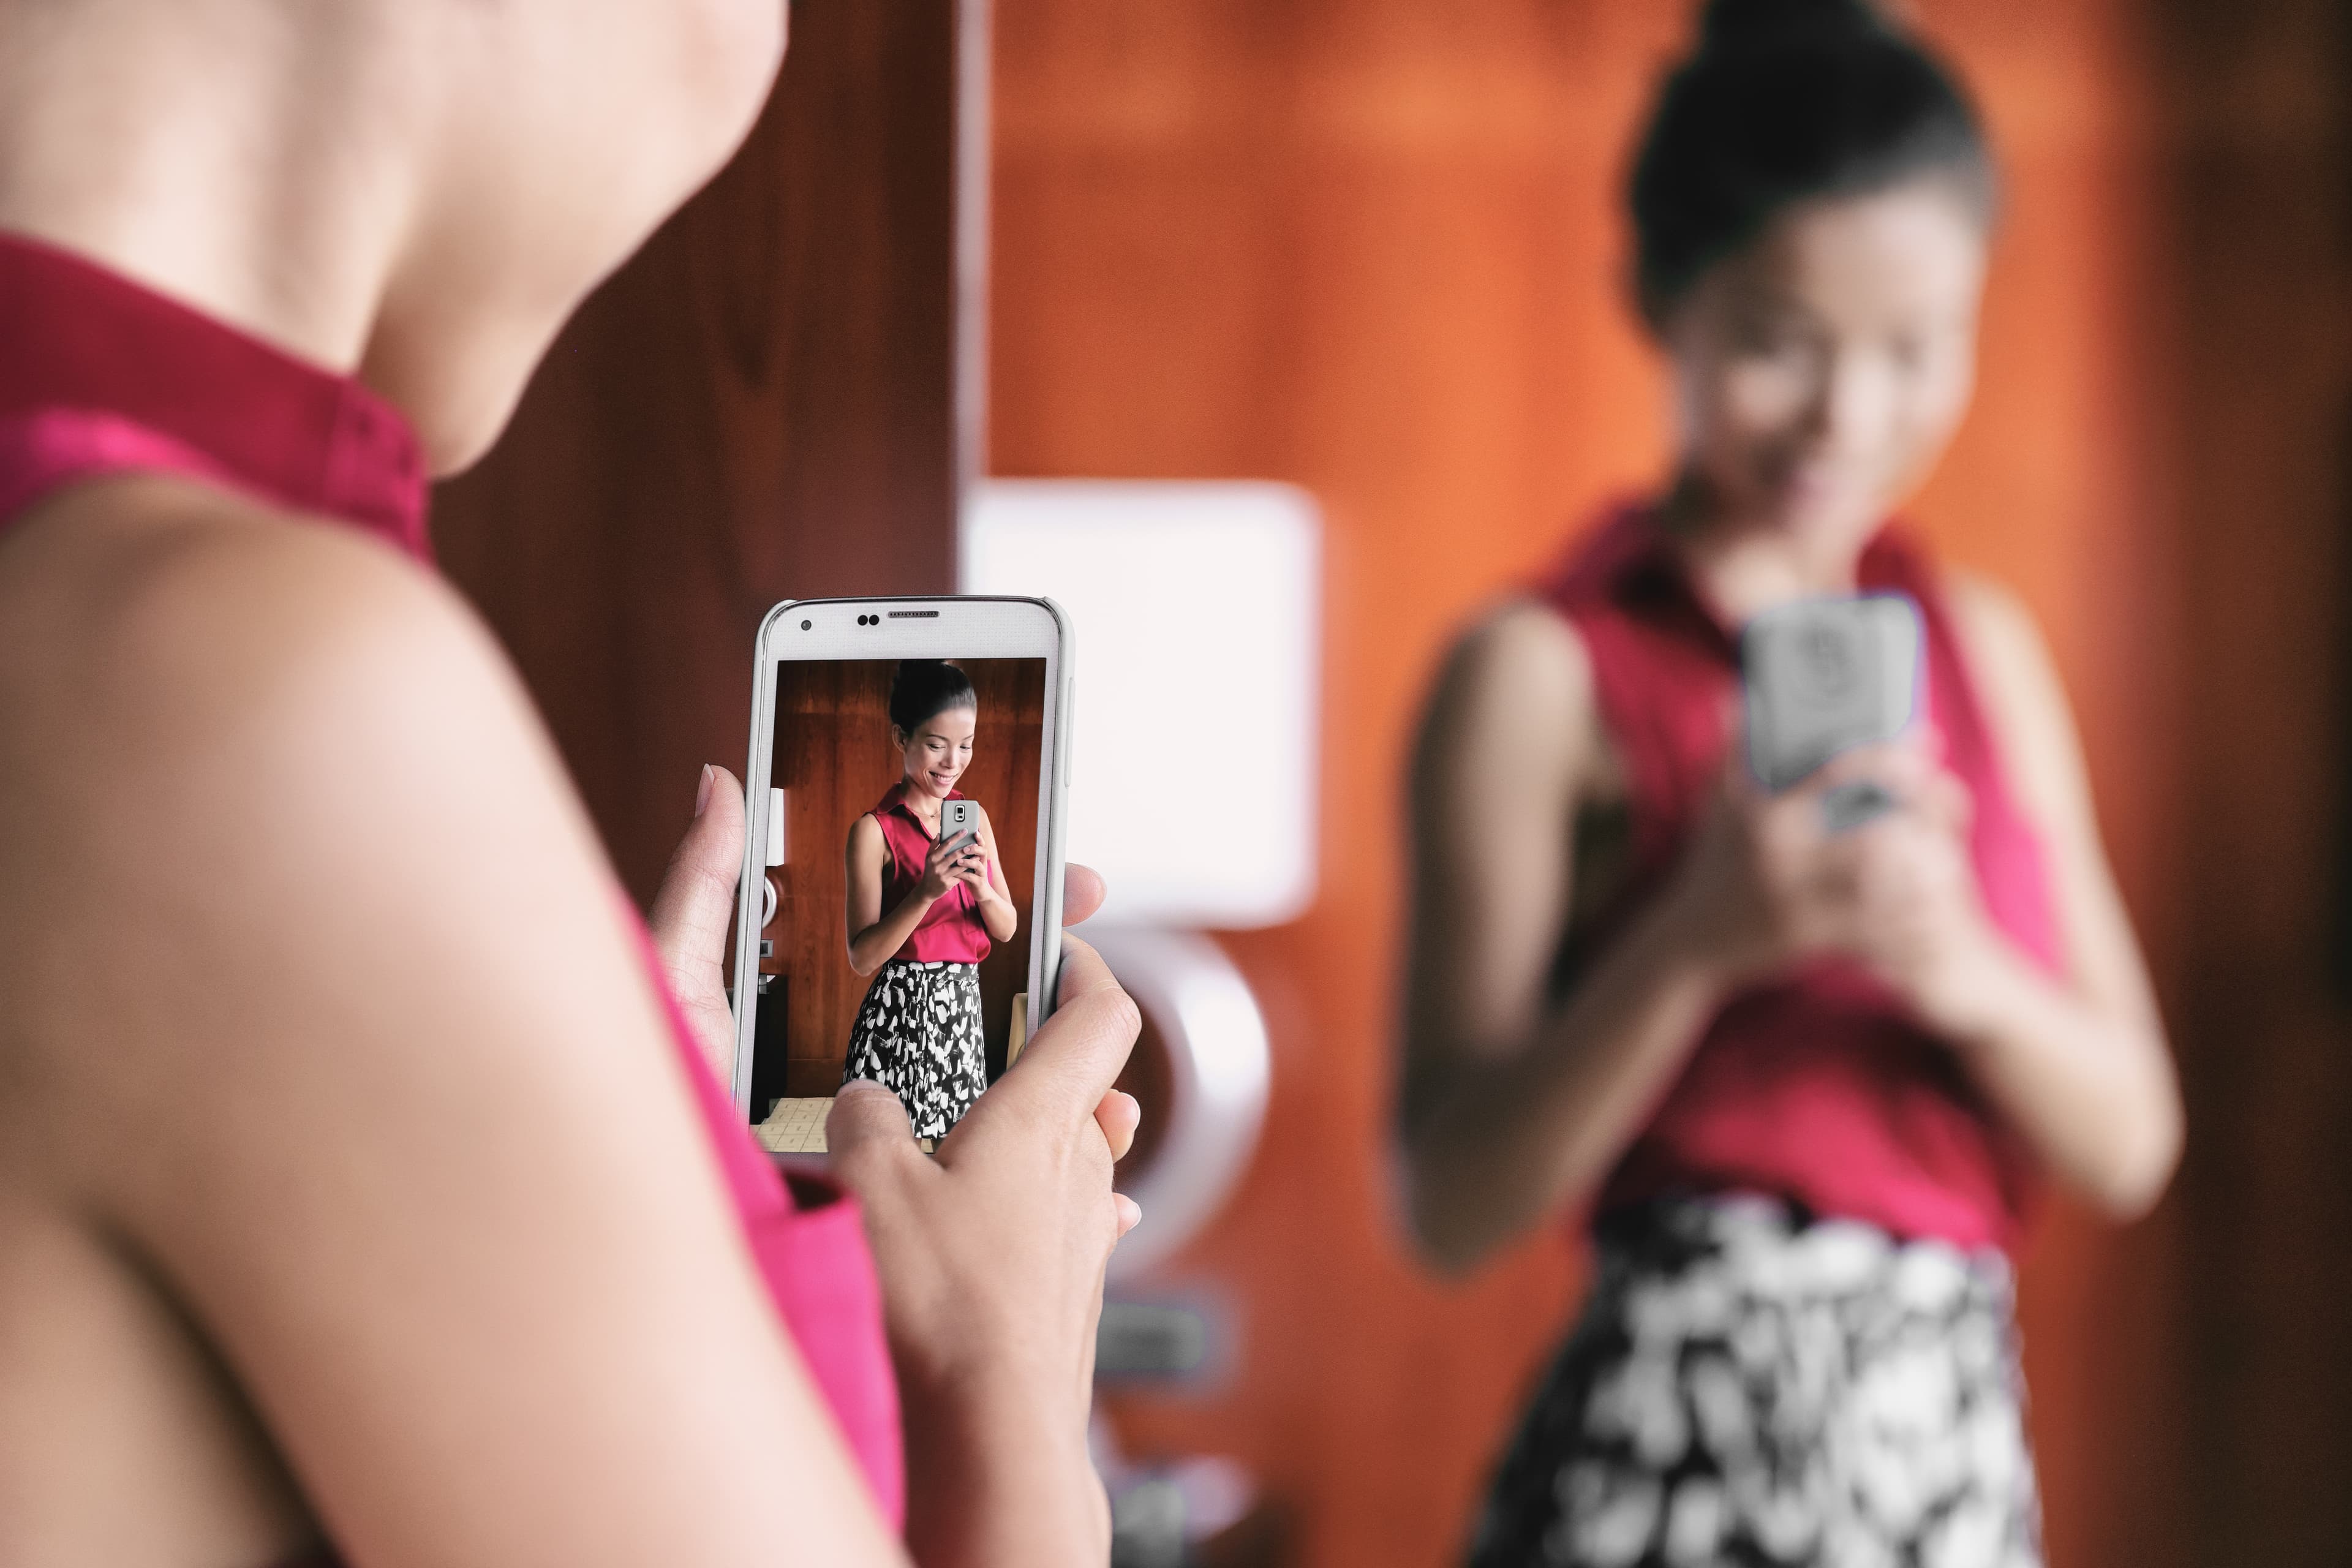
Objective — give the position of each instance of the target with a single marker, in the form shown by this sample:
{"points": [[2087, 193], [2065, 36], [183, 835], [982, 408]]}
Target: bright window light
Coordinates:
{"points": [[1195, 605]]}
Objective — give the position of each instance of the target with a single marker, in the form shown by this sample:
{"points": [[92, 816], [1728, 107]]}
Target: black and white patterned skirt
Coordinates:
{"points": [[1750, 1386], [918, 1031]]}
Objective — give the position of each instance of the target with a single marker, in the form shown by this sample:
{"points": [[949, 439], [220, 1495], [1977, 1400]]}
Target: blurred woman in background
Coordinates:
{"points": [[1802, 1082], [924, 909], [385, 1207]]}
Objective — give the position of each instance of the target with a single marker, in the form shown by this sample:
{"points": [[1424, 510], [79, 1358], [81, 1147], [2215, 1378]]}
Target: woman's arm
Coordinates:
{"points": [[1509, 1109], [987, 885], [408, 1143], [874, 937], [2078, 1066]]}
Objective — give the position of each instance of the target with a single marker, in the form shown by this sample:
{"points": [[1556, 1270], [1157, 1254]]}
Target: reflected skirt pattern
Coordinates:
{"points": [[918, 1031], [1749, 1386]]}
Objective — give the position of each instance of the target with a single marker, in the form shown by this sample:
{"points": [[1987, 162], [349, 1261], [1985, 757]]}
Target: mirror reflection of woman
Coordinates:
{"points": [[1802, 1084], [924, 909]]}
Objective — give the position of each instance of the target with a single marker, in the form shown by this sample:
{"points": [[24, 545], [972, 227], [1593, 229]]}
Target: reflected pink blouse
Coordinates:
{"points": [[97, 376], [1818, 1088], [950, 931]]}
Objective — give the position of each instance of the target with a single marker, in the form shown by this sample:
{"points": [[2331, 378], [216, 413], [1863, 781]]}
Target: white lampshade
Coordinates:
{"points": [[1209, 1025], [1196, 610]]}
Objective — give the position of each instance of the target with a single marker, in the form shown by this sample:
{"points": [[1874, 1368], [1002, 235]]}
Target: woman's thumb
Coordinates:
{"points": [[698, 891], [866, 1123]]}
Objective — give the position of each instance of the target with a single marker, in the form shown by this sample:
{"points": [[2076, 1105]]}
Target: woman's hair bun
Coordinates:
{"points": [[1735, 23], [1783, 102], [924, 688]]}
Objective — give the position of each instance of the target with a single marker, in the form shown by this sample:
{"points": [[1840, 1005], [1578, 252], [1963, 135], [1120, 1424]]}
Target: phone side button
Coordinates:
{"points": [[1069, 736]]}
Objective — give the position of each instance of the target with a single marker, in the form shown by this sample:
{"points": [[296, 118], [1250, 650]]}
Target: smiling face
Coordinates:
{"points": [[1820, 373], [939, 751]]}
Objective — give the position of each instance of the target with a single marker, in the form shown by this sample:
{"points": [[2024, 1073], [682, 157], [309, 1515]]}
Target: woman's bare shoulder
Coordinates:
{"points": [[283, 767], [2024, 698], [1516, 679], [156, 598], [1522, 646], [2011, 664], [362, 1062], [1992, 622]]}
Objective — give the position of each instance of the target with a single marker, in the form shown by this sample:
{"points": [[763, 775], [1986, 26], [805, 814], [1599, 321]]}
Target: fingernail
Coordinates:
{"points": [[702, 791]]}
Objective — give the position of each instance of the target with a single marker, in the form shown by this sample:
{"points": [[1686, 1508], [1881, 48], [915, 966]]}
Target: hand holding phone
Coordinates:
{"points": [[1822, 677], [1772, 880], [1011, 1223], [948, 863]]}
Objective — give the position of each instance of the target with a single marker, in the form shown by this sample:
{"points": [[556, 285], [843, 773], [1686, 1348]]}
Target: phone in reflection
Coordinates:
{"points": [[1822, 676]]}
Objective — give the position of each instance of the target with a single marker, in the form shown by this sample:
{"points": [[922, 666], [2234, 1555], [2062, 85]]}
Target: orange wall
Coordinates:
{"points": [[1373, 246]]}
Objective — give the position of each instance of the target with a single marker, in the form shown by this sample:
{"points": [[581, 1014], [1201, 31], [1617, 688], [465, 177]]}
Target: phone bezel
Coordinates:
{"points": [[930, 626]]}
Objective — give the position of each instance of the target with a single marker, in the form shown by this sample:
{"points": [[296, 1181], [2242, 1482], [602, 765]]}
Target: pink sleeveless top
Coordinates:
{"points": [[100, 376], [1819, 1088], [950, 931]]}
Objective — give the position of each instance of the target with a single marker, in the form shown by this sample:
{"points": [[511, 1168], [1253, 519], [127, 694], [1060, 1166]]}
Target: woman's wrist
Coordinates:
{"points": [[1000, 1474]]}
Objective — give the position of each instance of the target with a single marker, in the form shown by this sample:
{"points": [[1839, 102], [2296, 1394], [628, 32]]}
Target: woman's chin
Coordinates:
{"points": [[1816, 522]]}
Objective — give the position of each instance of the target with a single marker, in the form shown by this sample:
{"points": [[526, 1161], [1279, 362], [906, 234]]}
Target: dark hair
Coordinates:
{"points": [[925, 687], [1785, 101]]}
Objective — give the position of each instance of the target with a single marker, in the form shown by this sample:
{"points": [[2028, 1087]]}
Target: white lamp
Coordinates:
{"points": [[1194, 721], [1209, 1022], [1192, 770]]}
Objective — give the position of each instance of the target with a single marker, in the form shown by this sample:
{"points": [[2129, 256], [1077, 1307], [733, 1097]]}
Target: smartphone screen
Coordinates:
{"points": [[908, 859]]}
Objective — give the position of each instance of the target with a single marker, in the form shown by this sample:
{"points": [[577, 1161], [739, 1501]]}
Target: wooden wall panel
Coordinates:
{"points": [[764, 405], [1374, 248], [2260, 238], [833, 760]]}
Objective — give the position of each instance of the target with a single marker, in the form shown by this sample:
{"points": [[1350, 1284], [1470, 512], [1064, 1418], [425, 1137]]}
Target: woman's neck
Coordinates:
{"points": [[223, 153], [1743, 566]]}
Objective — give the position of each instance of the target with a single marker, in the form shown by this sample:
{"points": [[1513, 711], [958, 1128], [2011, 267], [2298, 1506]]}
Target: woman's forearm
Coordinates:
{"points": [[996, 911], [2089, 1092], [995, 1480], [1500, 1144], [872, 948]]}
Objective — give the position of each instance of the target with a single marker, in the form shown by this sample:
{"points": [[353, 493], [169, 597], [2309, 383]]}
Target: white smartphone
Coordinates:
{"points": [[825, 752], [1822, 676]]}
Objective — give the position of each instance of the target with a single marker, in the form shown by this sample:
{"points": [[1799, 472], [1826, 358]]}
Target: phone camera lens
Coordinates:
{"points": [[804, 625]]}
